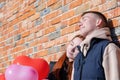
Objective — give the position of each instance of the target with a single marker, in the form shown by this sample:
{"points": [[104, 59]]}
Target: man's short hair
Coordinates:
{"points": [[100, 15]]}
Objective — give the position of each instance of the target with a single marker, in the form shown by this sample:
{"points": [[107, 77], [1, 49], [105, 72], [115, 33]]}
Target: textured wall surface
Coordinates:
{"points": [[42, 28]]}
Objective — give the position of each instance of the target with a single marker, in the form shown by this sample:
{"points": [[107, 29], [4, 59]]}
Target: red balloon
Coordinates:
{"points": [[39, 64], [2, 76]]}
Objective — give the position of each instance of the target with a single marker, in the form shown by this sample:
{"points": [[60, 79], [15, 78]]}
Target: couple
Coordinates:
{"points": [[91, 56]]}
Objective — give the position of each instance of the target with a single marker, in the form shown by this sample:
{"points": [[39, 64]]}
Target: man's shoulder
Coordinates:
{"points": [[112, 48], [113, 45]]}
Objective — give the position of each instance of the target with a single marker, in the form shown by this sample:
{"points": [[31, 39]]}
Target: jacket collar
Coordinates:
{"points": [[103, 33]]}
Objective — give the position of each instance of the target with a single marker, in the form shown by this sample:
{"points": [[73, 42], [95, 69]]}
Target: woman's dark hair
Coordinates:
{"points": [[100, 15]]}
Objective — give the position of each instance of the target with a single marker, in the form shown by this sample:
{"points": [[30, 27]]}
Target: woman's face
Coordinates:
{"points": [[72, 50]]}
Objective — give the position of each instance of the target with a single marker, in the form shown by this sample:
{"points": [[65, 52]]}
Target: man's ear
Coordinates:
{"points": [[99, 23]]}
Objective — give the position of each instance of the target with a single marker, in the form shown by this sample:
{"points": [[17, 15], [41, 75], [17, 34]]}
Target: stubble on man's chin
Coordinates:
{"points": [[83, 34]]}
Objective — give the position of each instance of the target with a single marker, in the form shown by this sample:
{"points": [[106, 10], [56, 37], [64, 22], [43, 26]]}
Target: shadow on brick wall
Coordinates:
{"points": [[113, 33]]}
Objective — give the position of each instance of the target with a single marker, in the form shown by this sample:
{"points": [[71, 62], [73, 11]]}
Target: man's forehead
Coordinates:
{"points": [[85, 16], [89, 15]]}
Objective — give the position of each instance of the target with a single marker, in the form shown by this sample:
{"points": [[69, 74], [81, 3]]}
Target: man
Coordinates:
{"points": [[98, 58]]}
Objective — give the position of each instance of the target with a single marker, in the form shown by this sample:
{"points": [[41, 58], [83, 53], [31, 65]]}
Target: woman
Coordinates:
{"points": [[63, 68]]}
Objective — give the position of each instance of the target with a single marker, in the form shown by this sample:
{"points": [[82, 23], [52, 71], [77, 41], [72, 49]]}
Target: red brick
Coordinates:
{"points": [[25, 34], [74, 20], [5, 59], [3, 69], [33, 30], [30, 37], [10, 29], [111, 4], [32, 12], [31, 1], [33, 43], [117, 11], [75, 3], [57, 41], [21, 41], [27, 14], [24, 52], [42, 53], [96, 3], [66, 1], [30, 50], [14, 33], [68, 30], [16, 49], [43, 40], [52, 15], [41, 7], [103, 1], [47, 58], [49, 44], [34, 17], [102, 7], [55, 57], [50, 29], [2, 38], [65, 39], [115, 22], [77, 27], [64, 31], [19, 14], [50, 2], [43, 25], [7, 47], [57, 5], [14, 21], [2, 44], [14, 6], [56, 20], [64, 23], [8, 63], [71, 29], [95, 9], [61, 40], [1, 65], [68, 14], [39, 34], [40, 47], [112, 13]]}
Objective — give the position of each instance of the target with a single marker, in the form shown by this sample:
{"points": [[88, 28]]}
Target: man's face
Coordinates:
{"points": [[87, 24], [72, 50]]}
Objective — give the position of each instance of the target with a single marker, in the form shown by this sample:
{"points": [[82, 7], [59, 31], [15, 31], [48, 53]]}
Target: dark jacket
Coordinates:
{"points": [[90, 67]]}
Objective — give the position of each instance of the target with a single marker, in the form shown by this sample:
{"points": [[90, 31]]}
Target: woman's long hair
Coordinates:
{"points": [[63, 68]]}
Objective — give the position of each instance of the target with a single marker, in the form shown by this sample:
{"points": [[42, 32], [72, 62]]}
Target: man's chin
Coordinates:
{"points": [[82, 33]]}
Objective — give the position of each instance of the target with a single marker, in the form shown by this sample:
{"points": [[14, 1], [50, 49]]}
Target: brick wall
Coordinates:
{"points": [[41, 28]]}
